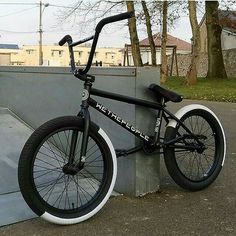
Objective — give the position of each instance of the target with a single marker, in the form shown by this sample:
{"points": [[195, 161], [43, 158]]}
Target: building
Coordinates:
{"points": [[8, 53], [55, 55], [228, 36], [180, 46]]}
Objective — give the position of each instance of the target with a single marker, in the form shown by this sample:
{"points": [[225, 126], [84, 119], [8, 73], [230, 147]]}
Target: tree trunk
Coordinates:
{"points": [[164, 71], [192, 71], [216, 68], [134, 36], [149, 32]]}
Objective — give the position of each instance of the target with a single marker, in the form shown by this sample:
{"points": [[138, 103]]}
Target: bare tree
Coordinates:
{"points": [[216, 68], [134, 36], [164, 68], [192, 71], [149, 32]]}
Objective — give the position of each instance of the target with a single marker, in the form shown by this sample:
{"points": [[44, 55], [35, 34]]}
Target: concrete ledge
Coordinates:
{"points": [[37, 94], [98, 71]]}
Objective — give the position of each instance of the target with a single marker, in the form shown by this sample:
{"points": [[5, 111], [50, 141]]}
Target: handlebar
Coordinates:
{"points": [[111, 19], [66, 39], [80, 73]]}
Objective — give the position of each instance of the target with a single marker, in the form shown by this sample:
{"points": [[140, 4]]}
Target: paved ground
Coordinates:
{"points": [[172, 211]]}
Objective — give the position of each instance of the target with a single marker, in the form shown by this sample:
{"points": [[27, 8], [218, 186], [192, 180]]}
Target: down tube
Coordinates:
{"points": [[102, 109]]}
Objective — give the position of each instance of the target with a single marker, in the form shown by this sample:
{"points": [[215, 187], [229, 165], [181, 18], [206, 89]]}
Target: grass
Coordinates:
{"points": [[212, 90]]}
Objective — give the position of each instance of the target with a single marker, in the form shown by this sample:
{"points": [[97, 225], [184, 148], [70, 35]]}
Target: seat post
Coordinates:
{"points": [[158, 123]]}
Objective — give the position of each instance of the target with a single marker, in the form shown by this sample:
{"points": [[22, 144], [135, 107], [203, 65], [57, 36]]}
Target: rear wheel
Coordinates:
{"points": [[54, 189], [195, 169]]}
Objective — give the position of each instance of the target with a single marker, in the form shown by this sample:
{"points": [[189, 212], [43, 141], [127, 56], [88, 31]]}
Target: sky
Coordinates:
{"points": [[19, 24]]}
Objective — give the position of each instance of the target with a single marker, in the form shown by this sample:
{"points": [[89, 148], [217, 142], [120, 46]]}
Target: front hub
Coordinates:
{"points": [[70, 169]]}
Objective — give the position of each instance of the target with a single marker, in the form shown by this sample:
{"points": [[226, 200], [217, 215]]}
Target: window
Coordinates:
{"points": [[78, 53], [57, 53], [111, 55], [60, 53], [30, 51]]}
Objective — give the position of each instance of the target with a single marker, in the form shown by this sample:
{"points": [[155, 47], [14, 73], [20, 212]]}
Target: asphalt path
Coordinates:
{"points": [[172, 211]]}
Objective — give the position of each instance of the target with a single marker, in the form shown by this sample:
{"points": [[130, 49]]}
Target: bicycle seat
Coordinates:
{"points": [[165, 93]]}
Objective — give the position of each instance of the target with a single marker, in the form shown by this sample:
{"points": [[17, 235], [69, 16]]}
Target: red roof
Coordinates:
{"points": [[228, 20], [171, 41]]}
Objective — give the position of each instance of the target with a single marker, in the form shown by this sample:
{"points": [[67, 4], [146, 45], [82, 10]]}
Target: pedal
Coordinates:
{"points": [[121, 152]]}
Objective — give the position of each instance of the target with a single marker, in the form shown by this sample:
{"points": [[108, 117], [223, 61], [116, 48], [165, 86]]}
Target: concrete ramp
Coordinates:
{"points": [[13, 135]]}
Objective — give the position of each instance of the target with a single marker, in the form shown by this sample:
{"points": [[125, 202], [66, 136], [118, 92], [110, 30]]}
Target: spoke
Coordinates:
{"points": [[206, 130], [56, 145], [87, 163], [84, 191], [203, 171], [77, 193], [87, 179], [67, 197], [77, 144], [92, 153], [45, 169], [80, 149], [183, 156], [196, 124], [67, 139], [203, 124], [46, 162], [91, 147], [52, 182], [55, 154], [44, 174], [208, 156], [52, 158], [51, 189], [191, 124], [60, 196], [62, 146], [197, 160], [92, 174], [77, 183]]}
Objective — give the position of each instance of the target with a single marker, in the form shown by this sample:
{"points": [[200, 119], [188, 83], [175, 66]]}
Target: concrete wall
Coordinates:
{"points": [[202, 67], [37, 94], [228, 40], [147, 56]]}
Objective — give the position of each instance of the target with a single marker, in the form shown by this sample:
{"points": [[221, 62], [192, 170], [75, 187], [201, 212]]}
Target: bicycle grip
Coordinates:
{"points": [[111, 19], [67, 38]]}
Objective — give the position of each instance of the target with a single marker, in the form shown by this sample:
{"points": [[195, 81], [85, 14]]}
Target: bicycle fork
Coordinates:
{"points": [[85, 115]]}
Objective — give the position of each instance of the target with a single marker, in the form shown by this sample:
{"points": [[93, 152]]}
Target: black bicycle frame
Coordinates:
{"points": [[150, 141], [162, 114]]}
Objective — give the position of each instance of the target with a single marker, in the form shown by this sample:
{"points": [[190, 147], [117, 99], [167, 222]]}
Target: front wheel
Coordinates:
{"points": [[195, 169], [52, 189]]}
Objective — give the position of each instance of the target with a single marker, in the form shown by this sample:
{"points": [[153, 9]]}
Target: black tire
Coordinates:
{"points": [[51, 193], [189, 169]]}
